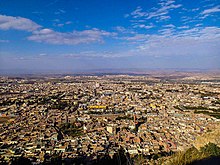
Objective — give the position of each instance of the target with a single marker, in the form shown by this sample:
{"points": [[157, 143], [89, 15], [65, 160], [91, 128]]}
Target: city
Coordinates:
{"points": [[71, 116], [109, 82]]}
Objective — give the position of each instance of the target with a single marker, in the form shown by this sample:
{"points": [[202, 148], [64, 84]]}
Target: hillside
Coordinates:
{"points": [[204, 150]]}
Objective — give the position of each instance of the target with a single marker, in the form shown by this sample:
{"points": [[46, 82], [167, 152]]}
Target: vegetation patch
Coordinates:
{"points": [[193, 155], [71, 129]]}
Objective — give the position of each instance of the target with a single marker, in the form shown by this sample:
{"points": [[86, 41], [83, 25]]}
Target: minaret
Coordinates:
{"points": [[95, 92], [134, 117], [135, 122], [67, 120]]}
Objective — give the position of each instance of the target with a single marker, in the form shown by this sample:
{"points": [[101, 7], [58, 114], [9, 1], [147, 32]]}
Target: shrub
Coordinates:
{"points": [[211, 149]]}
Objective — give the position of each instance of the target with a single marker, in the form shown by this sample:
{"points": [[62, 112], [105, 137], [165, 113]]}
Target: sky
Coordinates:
{"points": [[84, 35]]}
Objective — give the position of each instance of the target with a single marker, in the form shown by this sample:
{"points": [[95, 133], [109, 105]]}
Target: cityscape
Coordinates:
{"points": [[109, 82], [89, 117]]}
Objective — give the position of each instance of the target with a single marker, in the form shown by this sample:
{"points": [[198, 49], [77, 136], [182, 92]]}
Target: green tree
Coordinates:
{"points": [[211, 149]]}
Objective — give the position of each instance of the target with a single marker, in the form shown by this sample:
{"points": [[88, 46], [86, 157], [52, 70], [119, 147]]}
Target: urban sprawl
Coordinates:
{"points": [[73, 116]]}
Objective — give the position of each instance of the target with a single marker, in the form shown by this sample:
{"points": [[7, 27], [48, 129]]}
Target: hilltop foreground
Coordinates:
{"points": [[205, 150]]}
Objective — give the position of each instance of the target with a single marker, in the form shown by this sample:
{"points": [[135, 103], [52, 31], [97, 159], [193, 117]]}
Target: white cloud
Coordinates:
{"points": [[72, 38], [136, 37], [138, 21], [211, 10], [163, 17], [120, 29], [167, 32], [171, 42], [58, 24], [4, 41], [190, 42], [196, 9], [17, 23], [60, 11], [143, 26], [166, 6], [183, 27], [169, 26], [126, 15], [137, 13], [87, 54], [50, 36], [199, 24], [42, 54], [68, 22], [161, 13]]}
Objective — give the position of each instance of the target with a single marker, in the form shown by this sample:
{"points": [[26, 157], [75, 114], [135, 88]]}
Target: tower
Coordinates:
{"points": [[67, 119], [135, 117], [135, 122], [95, 92]]}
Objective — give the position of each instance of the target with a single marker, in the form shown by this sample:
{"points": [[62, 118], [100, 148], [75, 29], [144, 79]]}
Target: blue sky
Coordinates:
{"points": [[73, 35]]}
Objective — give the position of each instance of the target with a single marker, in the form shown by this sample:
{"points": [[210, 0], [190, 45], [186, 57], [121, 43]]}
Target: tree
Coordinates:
{"points": [[211, 149]]}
